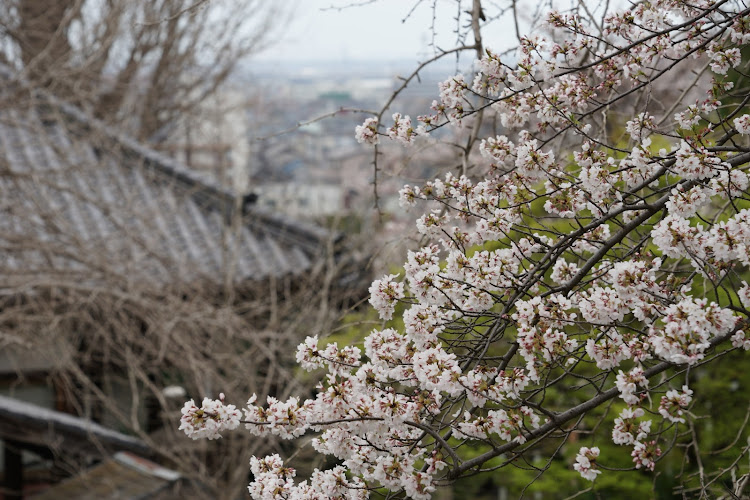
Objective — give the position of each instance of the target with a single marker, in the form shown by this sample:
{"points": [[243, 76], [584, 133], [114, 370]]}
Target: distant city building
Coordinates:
{"points": [[303, 200], [216, 139]]}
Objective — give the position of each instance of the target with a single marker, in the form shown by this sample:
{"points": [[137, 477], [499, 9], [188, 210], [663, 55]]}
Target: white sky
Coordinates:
{"points": [[373, 31]]}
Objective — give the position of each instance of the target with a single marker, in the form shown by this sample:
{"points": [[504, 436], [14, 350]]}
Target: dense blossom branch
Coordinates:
{"points": [[588, 257]]}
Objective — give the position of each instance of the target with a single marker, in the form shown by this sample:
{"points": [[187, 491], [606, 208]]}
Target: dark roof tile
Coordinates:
{"points": [[71, 184]]}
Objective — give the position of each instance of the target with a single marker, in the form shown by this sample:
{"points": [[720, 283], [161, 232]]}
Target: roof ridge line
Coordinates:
{"points": [[206, 191]]}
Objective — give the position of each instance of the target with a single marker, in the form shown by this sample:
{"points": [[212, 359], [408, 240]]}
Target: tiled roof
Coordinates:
{"points": [[34, 425], [76, 197], [125, 476]]}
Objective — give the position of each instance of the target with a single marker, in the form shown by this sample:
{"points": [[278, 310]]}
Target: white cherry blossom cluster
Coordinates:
{"points": [[645, 454], [491, 75], [453, 100], [674, 403], [742, 124], [586, 462], [640, 126], [628, 430], [688, 327], [285, 419], [573, 260], [272, 481], [740, 341], [384, 295], [507, 425], [627, 384], [723, 56], [402, 130], [367, 133], [210, 420]]}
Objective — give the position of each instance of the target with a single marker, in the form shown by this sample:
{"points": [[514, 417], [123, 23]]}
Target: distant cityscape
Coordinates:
{"points": [[250, 139]]}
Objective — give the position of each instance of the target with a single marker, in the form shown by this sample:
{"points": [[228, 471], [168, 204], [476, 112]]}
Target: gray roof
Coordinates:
{"points": [[123, 477], [35, 425], [78, 199]]}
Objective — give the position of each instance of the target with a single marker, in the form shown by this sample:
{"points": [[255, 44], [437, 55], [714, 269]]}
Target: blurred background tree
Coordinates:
{"points": [[138, 63]]}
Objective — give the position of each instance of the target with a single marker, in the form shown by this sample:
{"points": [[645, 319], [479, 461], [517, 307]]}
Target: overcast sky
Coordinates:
{"points": [[373, 31]]}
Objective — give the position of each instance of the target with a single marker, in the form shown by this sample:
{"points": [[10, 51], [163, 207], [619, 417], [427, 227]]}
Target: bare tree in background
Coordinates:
{"points": [[105, 243], [133, 274], [140, 64]]}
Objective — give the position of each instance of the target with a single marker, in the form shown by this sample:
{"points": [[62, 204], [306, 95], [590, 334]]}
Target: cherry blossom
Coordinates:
{"points": [[645, 455], [575, 258], [384, 294], [627, 384], [367, 133], [210, 420], [586, 461], [402, 130], [742, 124], [674, 403], [627, 429]]}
